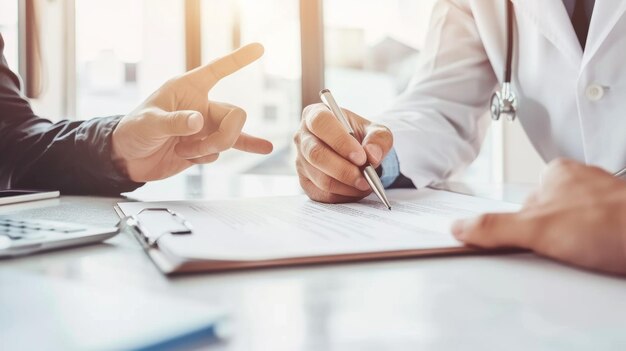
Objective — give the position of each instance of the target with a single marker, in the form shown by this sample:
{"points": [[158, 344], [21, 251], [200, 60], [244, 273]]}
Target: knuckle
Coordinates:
{"points": [[297, 137], [299, 164], [348, 175], [325, 183], [227, 105], [316, 152], [238, 111], [383, 135], [303, 126], [335, 187], [307, 187], [388, 136], [299, 168], [304, 168], [312, 191]]}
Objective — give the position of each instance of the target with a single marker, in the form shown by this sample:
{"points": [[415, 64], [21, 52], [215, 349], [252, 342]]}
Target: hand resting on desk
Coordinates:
{"points": [[578, 216]]}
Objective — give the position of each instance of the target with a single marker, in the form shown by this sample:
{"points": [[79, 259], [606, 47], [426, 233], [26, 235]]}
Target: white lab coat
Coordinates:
{"points": [[570, 104]]}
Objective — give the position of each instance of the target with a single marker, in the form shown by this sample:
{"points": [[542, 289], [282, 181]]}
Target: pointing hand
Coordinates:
{"points": [[178, 126]]}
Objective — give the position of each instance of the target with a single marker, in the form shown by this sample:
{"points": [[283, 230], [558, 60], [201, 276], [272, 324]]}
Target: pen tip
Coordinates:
{"points": [[389, 207]]}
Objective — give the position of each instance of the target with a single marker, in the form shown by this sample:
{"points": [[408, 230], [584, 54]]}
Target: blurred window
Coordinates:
{"points": [[371, 49], [123, 55], [9, 30], [268, 90]]}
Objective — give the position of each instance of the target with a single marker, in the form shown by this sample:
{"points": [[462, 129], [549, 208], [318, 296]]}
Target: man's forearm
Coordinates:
{"points": [[73, 157]]}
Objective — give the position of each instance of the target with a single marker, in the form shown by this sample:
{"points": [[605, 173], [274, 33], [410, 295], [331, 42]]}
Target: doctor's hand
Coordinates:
{"points": [[577, 216], [177, 126], [329, 158]]}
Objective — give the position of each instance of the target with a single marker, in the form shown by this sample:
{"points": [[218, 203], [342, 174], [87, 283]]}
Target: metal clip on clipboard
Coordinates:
{"points": [[151, 224]]}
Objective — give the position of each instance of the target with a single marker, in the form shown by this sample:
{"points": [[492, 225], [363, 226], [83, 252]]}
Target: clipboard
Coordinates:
{"points": [[171, 223]]}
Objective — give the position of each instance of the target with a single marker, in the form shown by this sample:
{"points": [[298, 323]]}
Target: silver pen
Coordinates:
{"points": [[368, 171], [620, 173]]}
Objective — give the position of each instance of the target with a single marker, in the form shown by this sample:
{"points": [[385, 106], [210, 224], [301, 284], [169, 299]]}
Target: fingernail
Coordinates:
{"points": [[194, 121], [375, 152], [458, 228], [357, 158], [362, 184]]}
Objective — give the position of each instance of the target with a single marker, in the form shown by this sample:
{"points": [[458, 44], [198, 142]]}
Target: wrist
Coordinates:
{"points": [[94, 161], [119, 162], [118, 158]]}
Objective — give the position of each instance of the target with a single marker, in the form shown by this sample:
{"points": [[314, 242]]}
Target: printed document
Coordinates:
{"points": [[294, 226]]}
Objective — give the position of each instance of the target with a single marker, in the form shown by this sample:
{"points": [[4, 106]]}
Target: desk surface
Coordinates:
{"points": [[513, 302]]}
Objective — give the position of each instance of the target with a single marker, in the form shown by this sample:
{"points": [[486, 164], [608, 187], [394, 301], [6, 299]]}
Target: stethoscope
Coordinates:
{"points": [[504, 102]]}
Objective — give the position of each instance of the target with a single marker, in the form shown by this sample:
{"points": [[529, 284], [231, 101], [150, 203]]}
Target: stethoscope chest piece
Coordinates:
{"points": [[504, 103]]}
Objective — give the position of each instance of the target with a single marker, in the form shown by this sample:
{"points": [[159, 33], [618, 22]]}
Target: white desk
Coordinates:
{"points": [[512, 302]]}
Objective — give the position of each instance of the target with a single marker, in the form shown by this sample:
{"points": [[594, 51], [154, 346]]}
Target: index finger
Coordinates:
{"points": [[324, 125], [205, 77]]}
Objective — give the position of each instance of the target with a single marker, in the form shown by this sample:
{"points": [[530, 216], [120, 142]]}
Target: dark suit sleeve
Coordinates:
{"points": [[73, 157]]}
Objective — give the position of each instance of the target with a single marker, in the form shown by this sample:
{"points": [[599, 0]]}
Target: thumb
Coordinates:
{"points": [[495, 230], [377, 143], [180, 123]]}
